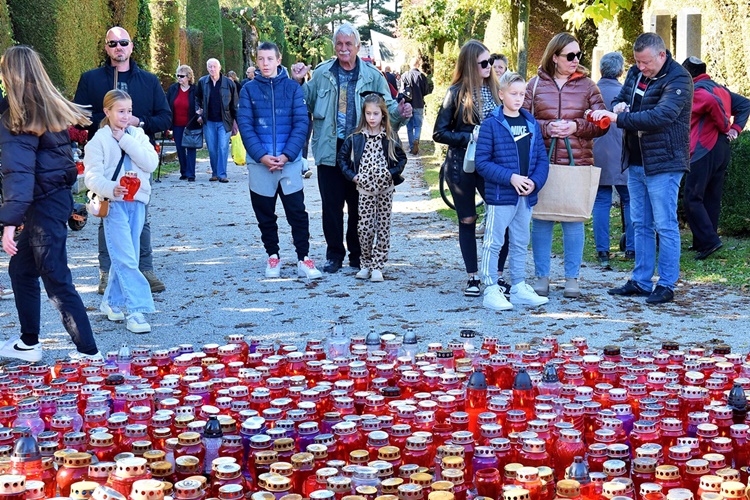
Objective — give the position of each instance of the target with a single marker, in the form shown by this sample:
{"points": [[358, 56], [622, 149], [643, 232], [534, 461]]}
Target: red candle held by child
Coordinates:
{"points": [[132, 183]]}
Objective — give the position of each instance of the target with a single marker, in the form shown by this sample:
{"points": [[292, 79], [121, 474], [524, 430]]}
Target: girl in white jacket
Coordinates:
{"points": [[127, 289]]}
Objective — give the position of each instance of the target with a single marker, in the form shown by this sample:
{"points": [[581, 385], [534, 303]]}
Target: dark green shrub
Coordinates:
{"points": [[735, 202], [195, 57], [142, 37], [165, 18], [6, 31], [125, 14], [232, 47], [67, 33], [205, 15]]}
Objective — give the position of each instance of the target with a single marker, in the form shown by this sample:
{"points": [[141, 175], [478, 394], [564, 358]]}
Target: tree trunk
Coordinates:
{"points": [[523, 36]]}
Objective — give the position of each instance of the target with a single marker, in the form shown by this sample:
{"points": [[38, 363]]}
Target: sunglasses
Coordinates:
{"points": [[181, 76], [113, 43], [572, 55], [484, 63]]}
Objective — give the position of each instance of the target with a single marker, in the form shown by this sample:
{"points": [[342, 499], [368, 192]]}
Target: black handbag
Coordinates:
{"points": [[192, 138]]}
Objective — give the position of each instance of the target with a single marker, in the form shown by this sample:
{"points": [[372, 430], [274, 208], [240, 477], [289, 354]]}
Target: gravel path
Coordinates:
{"points": [[208, 252]]}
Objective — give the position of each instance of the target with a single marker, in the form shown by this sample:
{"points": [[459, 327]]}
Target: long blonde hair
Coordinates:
{"points": [[378, 100], [110, 98], [35, 106], [470, 80]]}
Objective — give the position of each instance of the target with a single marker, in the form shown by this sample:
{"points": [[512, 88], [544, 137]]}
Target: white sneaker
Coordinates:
{"points": [[523, 294], [273, 267], [15, 348], [6, 293], [363, 274], [377, 275], [88, 358], [495, 300], [137, 323], [113, 313], [306, 269]]}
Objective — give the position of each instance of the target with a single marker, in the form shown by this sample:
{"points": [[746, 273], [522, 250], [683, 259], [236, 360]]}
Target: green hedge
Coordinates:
{"points": [[6, 30], [195, 57], [735, 203], [68, 34], [142, 36], [232, 47], [125, 14], [165, 16], [205, 15]]}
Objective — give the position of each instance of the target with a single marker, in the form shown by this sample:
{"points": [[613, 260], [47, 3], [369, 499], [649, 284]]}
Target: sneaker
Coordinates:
{"points": [[541, 287], [504, 285], [137, 323], [523, 294], [480, 229], [363, 274], [307, 174], [113, 313], [103, 279], [213, 178], [603, 258], [273, 267], [495, 300], [572, 291], [377, 276], [472, 287], [6, 293], [306, 269], [332, 266], [660, 295], [15, 348], [629, 289], [154, 282], [629, 255], [704, 254], [88, 358]]}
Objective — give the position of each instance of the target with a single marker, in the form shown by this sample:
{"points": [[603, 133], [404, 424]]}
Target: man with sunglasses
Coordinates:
{"points": [[151, 112], [653, 108]]}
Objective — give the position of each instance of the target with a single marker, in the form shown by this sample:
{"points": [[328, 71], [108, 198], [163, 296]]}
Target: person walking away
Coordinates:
{"points": [[334, 97], [607, 156], [718, 116], [38, 174], [150, 112], [372, 158], [653, 108], [181, 98], [216, 104], [416, 86], [512, 160], [120, 150], [558, 96], [272, 120]]}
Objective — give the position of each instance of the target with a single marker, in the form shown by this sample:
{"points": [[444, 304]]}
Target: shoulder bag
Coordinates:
{"points": [[192, 138], [96, 205], [570, 190], [471, 149]]}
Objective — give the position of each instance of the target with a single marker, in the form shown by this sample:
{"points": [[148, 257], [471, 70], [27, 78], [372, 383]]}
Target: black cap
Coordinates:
{"points": [[722, 349], [213, 428], [468, 334], [670, 346], [611, 350], [444, 354], [694, 66], [390, 392], [114, 379]]}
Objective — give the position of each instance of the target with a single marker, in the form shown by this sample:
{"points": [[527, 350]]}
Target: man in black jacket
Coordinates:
{"points": [[151, 112], [416, 86], [653, 108]]}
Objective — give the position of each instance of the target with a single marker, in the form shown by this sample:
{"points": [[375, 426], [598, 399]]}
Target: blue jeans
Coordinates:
{"points": [[653, 209], [185, 155], [414, 126], [127, 287], [602, 207], [541, 244], [217, 142]]}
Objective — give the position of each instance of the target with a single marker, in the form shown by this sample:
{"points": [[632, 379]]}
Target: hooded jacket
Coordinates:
{"points": [[272, 116]]}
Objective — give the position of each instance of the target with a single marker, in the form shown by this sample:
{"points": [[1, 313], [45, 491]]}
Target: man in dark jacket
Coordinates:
{"points": [[416, 86], [711, 129], [653, 109], [151, 112], [216, 103], [273, 121]]}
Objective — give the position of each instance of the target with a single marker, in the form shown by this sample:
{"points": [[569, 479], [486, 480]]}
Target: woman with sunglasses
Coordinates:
{"points": [[181, 98], [558, 97], [472, 96]]}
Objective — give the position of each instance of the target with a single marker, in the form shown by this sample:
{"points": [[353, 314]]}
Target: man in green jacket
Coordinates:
{"points": [[334, 98]]}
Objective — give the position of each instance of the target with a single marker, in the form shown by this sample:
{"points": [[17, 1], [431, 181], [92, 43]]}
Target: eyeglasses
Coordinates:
{"points": [[484, 63], [181, 76], [572, 55], [113, 43]]}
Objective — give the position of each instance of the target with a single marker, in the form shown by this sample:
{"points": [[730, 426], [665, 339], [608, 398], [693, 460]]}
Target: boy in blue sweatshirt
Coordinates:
{"points": [[512, 159]]}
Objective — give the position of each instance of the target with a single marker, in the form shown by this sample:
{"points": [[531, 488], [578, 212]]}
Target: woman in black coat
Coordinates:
{"points": [[38, 173], [181, 98]]}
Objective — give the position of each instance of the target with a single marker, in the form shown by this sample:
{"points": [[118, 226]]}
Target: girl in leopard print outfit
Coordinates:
{"points": [[372, 157]]}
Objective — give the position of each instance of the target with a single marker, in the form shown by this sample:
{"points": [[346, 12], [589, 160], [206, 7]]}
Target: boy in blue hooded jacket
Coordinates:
{"points": [[510, 155]]}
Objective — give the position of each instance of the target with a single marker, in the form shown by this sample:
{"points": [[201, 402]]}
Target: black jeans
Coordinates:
{"points": [[145, 259], [294, 208], [702, 194], [42, 254], [335, 191]]}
